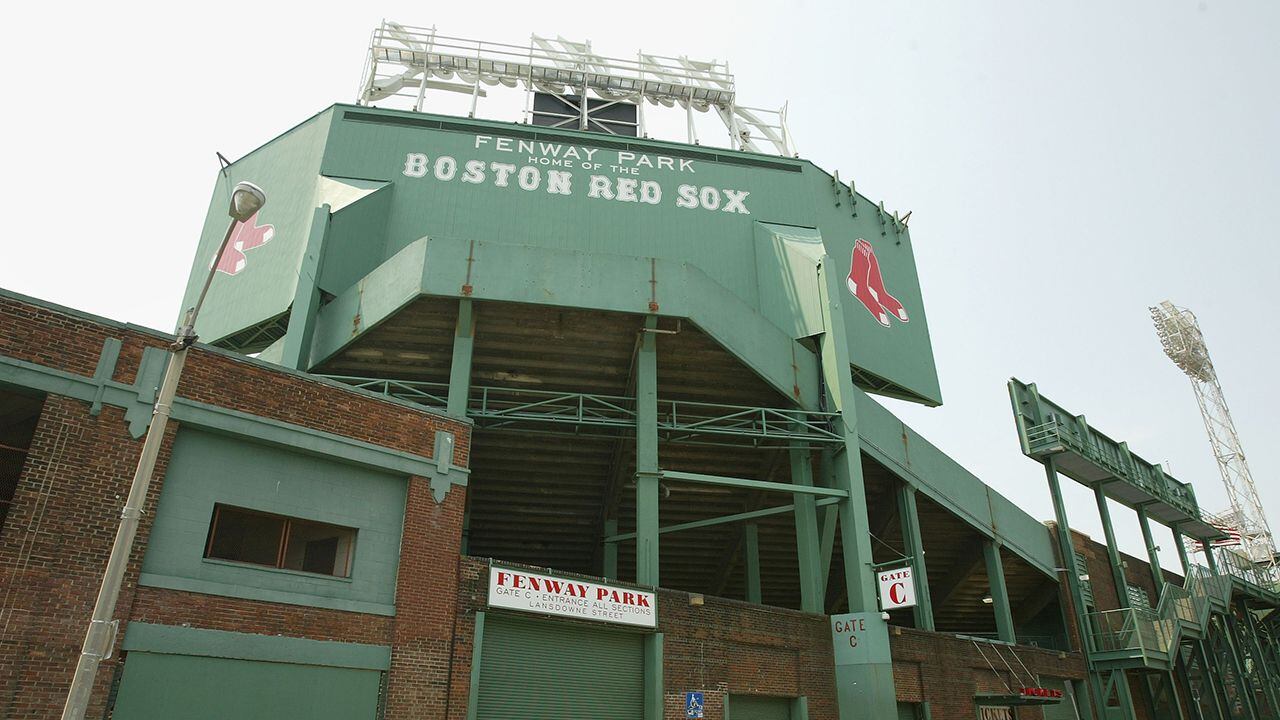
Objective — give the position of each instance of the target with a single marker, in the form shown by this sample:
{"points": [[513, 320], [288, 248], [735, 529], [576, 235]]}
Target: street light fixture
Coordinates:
{"points": [[246, 200]]}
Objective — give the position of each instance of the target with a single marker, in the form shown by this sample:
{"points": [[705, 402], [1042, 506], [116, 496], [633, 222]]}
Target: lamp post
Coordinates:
{"points": [[246, 199]]}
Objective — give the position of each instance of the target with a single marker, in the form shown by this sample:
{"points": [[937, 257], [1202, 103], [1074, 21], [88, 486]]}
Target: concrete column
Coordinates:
{"points": [[751, 539], [909, 519], [464, 336], [647, 471], [999, 592]]}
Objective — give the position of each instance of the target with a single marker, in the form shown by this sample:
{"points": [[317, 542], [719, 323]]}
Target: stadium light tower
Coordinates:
{"points": [[1184, 344]]}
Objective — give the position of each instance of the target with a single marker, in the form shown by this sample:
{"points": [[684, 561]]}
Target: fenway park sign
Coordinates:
{"points": [[581, 599]]}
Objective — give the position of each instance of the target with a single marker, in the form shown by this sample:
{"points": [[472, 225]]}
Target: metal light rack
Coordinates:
{"points": [[405, 61]]}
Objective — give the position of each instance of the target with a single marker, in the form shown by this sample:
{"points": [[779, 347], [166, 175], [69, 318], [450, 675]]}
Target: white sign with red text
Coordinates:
{"points": [[581, 599], [897, 588]]}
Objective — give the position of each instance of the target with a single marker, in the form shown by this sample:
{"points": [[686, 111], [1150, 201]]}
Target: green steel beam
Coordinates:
{"points": [[806, 520], [753, 484], [721, 520], [910, 521], [999, 591], [827, 542], [306, 297], [751, 538], [1153, 558], [1113, 552], [610, 550], [464, 338], [648, 473], [1208, 557]]}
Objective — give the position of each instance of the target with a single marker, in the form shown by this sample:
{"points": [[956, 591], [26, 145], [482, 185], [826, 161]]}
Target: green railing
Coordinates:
{"points": [[1153, 635], [1240, 568], [1059, 435], [493, 407]]}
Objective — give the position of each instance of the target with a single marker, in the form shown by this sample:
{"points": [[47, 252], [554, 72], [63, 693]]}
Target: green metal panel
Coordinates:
{"points": [[206, 469], [1064, 709], [286, 169], [531, 670], [760, 707], [177, 640], [461, 180], [908, 711], [160, 687]]}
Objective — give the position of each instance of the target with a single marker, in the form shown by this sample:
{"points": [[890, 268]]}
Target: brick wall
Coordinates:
{"points": [[731, 647], [58, 534]]}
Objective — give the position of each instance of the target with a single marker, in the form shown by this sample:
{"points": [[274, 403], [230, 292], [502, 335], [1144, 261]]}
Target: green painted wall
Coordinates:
{"points": [[208, 468], [161, 687], [444, 185]]}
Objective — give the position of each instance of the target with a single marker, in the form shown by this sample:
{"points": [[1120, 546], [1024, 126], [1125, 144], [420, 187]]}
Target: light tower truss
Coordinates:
{"points": [[405, 61], [1183, 342]]}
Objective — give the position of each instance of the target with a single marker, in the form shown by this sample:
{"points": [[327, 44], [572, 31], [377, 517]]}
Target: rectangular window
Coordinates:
{"points": [[277, 541]]}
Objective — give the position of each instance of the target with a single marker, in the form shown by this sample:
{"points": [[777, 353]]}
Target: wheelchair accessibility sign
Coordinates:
{"points": [[692, 705]]}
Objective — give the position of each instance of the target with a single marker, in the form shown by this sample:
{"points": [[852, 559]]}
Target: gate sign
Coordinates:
{"points": [[693, 705], [897, 588], [989, 712], [581, 599]]}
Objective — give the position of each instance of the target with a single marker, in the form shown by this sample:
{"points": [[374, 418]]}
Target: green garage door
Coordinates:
{"points": [[1063, 709], [161, 687], [759, 707], [545, 670]]}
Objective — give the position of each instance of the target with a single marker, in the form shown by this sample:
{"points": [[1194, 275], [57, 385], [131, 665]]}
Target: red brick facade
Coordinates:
{"points": [[60, 527]]}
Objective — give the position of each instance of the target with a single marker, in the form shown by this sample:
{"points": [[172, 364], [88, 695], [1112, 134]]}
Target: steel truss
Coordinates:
{"points": [[678, 421]]}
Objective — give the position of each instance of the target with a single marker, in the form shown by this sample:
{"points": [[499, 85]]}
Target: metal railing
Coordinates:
{"points": [[678, 420], [1059, 436], [1154, 634]]}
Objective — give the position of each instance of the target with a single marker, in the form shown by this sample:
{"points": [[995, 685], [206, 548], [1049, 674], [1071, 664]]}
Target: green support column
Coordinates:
{"points": [[1244, 681], [751, 539], [1182, 556], [1153, 558], [1096, 697], [1208, 557], [1261, 665], [610, 551], [855, 534], [1113, 552], [647, 471], [306, 296], [464, 338], [999, 592], [864, 674], [909, 519], [653, 685], [830, 513], [807, 549]]}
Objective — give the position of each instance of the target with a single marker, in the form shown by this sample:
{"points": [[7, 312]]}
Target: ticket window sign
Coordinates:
{"points": [[994, 712], [897, 588]]}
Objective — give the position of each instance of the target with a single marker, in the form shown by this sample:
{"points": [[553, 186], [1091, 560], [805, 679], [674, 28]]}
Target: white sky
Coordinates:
{"points": [[1068, 164]]}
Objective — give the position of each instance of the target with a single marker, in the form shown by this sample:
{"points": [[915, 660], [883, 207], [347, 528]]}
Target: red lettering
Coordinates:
{"points": [[628, 598], [582, 590], [601, 593], [897, 593], [518, 580], [553, 586], [642, 601], [533, 583], [503, 578]]}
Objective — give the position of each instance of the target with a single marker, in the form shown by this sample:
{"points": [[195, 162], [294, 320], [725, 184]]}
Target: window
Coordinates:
{"points": [[248, 536]]}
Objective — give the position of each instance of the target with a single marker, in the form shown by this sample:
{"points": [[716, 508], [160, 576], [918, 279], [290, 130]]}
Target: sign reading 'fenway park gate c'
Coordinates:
{"points": [[581, 599]]}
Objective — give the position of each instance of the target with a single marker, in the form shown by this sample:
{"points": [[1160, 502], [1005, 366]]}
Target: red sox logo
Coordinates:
{"points": [[247, 236], [868, 287]]}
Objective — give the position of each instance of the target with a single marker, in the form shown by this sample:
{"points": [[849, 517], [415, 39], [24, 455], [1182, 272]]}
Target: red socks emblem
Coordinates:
{"points": [[247, 236], [867, 285]]}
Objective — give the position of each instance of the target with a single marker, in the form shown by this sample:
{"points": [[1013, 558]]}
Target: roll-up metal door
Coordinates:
{"points": [[759, 707], [547, 670]]}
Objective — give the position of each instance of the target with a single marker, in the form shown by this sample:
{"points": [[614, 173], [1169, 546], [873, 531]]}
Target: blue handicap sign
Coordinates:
{"points": [[692, 705]]}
